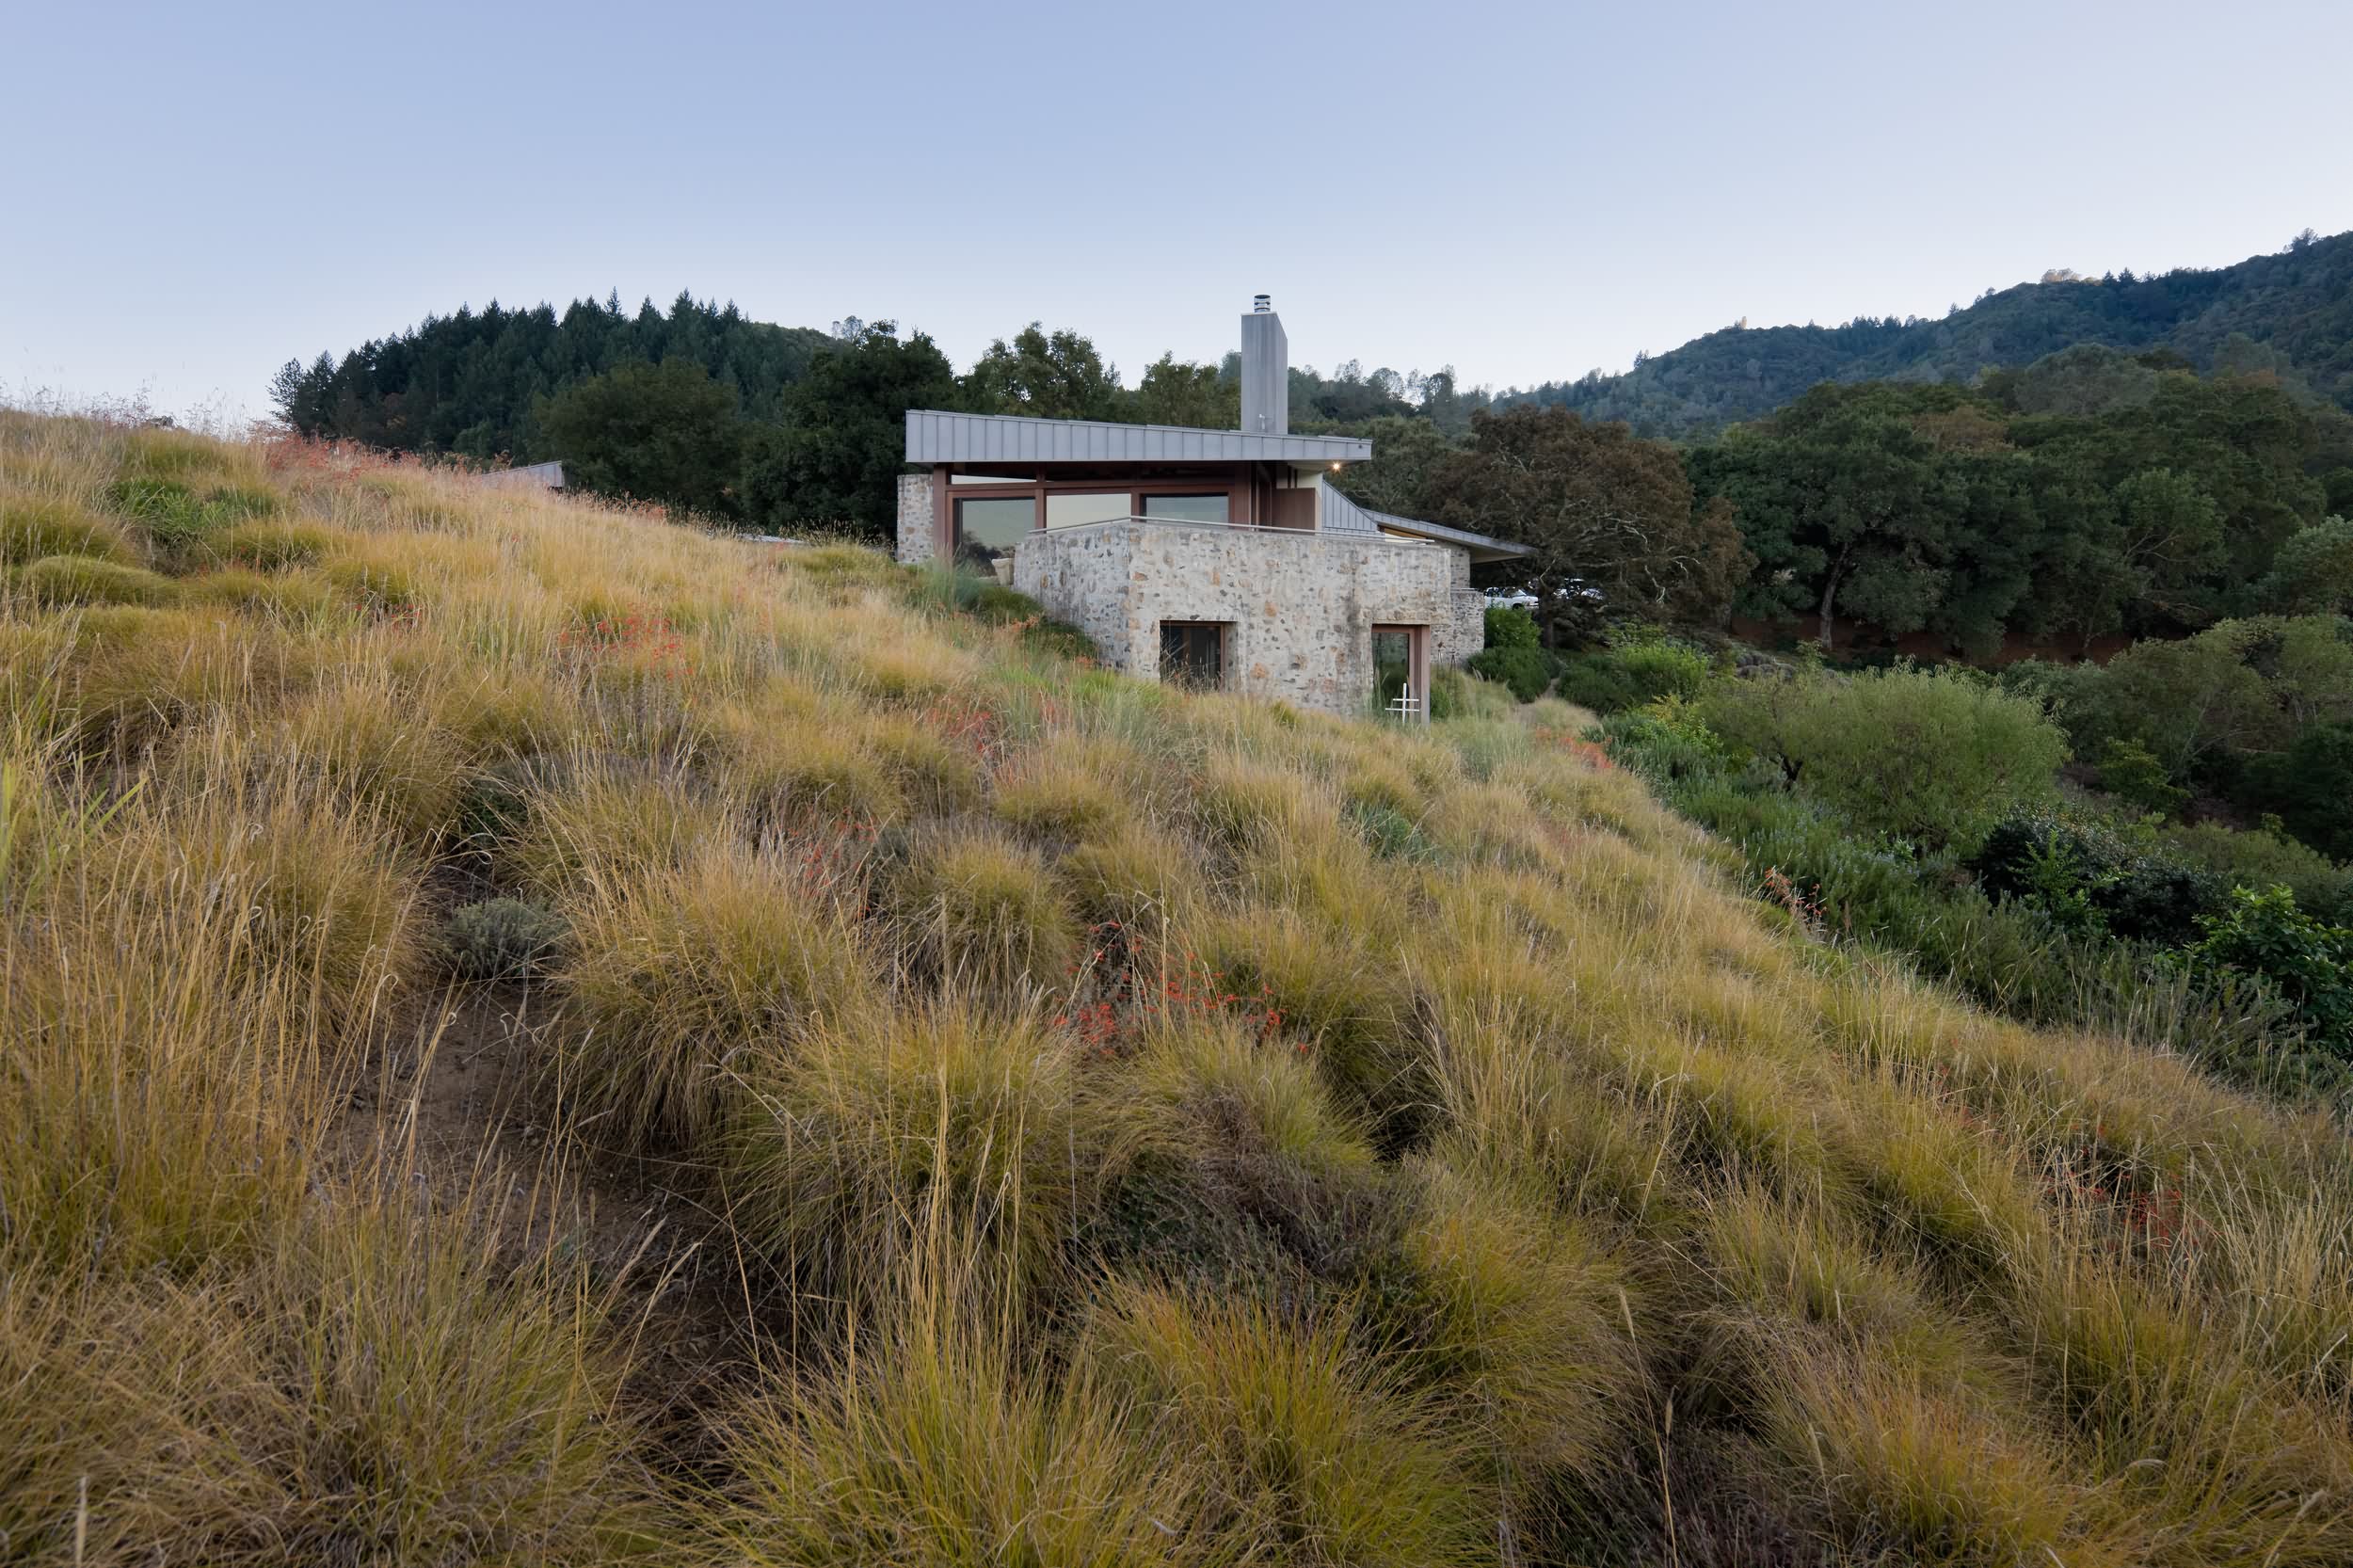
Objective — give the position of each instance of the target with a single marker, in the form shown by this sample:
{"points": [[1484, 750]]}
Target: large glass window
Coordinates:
{"points": [[1068, 508], [990, 526], [1189, 508], [1193, 653]]}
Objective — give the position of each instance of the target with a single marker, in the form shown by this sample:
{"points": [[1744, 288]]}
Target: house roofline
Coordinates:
{"points": [[943, 436], [1498, 549]]}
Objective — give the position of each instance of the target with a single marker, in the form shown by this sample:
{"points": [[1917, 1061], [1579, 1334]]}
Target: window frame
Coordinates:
{"points": [[1222, 632]]}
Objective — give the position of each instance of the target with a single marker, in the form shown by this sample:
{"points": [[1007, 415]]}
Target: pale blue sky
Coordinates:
{"points": [[189, 196]]}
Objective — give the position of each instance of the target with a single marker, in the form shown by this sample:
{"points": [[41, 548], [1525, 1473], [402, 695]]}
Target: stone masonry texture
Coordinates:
{"points": [[1299, 608], [915, 518]]}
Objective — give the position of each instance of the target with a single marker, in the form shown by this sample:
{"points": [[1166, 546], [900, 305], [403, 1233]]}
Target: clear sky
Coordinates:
{"points": [[190, 195]]}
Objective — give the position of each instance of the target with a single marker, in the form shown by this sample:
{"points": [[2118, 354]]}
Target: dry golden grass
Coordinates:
{"points": [[1130, 1126]]}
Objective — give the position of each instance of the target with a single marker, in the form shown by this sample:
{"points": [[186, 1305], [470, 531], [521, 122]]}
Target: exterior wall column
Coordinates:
{"points": [[918, 510]]}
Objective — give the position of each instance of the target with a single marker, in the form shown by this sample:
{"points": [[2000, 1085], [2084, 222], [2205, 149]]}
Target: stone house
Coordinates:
{"points": [[1220, 558]]}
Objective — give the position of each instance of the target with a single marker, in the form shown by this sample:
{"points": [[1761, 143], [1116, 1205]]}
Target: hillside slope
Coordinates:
{"points": [[964, 1106], [2297, 305]]}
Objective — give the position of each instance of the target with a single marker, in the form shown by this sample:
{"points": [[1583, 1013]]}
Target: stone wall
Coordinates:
{"points": [[1300, 607], [916, 518]]}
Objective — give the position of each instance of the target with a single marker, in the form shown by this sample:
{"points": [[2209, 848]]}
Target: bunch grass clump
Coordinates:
{"points": [[984, 910], [875, 1136], [33, 526], [680, 981], [1317, 1454], [64, 580]]}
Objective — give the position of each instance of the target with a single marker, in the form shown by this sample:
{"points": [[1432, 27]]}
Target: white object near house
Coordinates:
{"points": [[1220, 558], [537, 476]]}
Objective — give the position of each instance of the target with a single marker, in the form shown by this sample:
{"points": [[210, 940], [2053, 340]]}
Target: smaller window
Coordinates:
{"points": [[1192, 654], [1069, 508], [1187, 508]]}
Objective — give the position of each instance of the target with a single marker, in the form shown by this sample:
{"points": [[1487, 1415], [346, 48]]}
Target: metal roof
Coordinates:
{"points": [[1343, 515], [933, 437], [1480, 546]]}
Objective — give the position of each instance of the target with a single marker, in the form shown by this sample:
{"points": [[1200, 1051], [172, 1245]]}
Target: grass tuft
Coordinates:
{"points": [[64, 580], [679, 979], [878, 1136], [33, 526], [977, 909]]}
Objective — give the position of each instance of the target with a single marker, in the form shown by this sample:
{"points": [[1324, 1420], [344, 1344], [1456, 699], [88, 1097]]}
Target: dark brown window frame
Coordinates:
{"points": [[1416, 636], [1224, 629]]}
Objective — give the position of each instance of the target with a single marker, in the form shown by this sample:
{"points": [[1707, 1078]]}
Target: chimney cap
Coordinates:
{"points": [[1261, 304]]}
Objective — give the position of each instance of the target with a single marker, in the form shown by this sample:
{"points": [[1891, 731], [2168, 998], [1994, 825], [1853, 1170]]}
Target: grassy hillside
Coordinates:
{"points": [[535, 1035], [2292, 309]]}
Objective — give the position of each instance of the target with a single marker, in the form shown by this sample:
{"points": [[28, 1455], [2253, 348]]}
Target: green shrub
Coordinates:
{"points": [[1935, 756], [2075, 697], [1664, 669], [2266, 935], [1509, 625], [2263, 859], [2132, 773], [2312, 573], [1611, 680], [2087, 878], [2311, 786], [501, 938], [85, 580], [1666, 741], [1526, 672], [2241, 686], [1598, 682]]}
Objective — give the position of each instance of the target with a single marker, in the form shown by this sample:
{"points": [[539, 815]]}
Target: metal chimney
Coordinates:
{"points": [[1266, 370]]}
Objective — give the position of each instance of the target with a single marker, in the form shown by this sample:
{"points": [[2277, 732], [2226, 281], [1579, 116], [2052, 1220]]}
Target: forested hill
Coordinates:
{"points": [[2291, 313], [472, 382]]}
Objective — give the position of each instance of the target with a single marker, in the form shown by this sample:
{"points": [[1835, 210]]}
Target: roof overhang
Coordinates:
{"points": [[935, 437], [1483, 548]]}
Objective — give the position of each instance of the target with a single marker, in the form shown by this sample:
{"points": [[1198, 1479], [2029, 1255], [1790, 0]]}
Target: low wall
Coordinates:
{"points": [[1300, 607]]}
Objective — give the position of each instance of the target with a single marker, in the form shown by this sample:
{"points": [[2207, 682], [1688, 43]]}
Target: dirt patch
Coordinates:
{"points": [[454, 1101]]}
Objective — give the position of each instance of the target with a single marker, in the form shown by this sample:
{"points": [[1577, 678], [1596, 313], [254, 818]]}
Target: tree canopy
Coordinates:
{"points": [[2158, 504], [1599, 507], [665, 432]]}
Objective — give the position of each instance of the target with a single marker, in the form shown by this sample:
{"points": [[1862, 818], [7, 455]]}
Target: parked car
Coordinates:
{"points": [[1577, 590]]}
